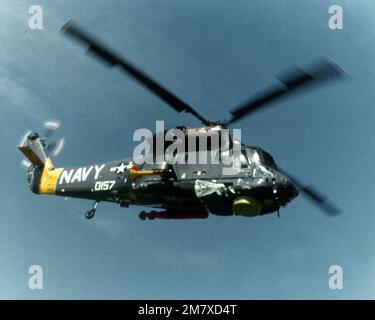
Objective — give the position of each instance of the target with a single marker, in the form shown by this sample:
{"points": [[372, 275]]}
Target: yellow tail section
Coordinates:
{"points": [[48, 180]]}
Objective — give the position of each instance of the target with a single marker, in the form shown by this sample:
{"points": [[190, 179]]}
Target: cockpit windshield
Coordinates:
{"points": [[267, 159], [259, 156]]}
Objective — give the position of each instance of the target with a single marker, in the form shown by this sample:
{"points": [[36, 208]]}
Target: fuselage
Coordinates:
{"points": [[175, 187]]}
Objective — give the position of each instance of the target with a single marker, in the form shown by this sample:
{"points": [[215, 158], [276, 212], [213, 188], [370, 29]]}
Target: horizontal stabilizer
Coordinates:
{"points": [[34, 150]]}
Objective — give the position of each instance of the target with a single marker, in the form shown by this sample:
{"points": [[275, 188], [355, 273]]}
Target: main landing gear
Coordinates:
{"points": [[91, 213]]}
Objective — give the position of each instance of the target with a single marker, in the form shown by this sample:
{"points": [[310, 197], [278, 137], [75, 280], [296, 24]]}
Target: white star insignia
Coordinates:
{"points": [[121, 168]]}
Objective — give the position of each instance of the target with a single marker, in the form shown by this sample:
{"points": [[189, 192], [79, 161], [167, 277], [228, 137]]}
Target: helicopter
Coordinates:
{"points": [[175, 190]]}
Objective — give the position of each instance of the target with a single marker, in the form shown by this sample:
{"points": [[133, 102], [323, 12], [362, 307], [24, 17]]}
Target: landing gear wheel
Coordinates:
{"points": [[90, 214], [143, 215]]}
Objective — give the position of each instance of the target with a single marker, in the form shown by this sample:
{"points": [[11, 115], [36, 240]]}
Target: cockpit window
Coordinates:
{"points": [[258, 155], [243, 160], [268, 160]]}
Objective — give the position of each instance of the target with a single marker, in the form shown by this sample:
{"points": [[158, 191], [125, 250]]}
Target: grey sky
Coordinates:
{"points": [[214, 55]]}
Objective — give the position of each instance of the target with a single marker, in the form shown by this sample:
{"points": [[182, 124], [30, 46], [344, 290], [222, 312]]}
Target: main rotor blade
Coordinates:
{"points": [[113, 59], [293, 80], [319, 199], [315, 196]]}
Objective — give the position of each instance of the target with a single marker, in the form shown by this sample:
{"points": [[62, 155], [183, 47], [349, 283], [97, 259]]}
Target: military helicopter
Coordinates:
{"points": [[183, 191]]}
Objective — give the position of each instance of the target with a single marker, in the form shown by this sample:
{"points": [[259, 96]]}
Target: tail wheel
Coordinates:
{"points": [[90, 214]]}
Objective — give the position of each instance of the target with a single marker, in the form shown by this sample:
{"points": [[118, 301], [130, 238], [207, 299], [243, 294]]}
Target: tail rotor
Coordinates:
{"points": [[52, 145]]}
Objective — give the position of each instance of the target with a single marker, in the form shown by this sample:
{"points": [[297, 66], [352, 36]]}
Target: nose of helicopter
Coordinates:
{"points": [[284, 187], [292, 189]]}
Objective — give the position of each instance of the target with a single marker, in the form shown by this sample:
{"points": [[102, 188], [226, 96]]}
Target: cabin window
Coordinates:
{"points": [[243, 160]]}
